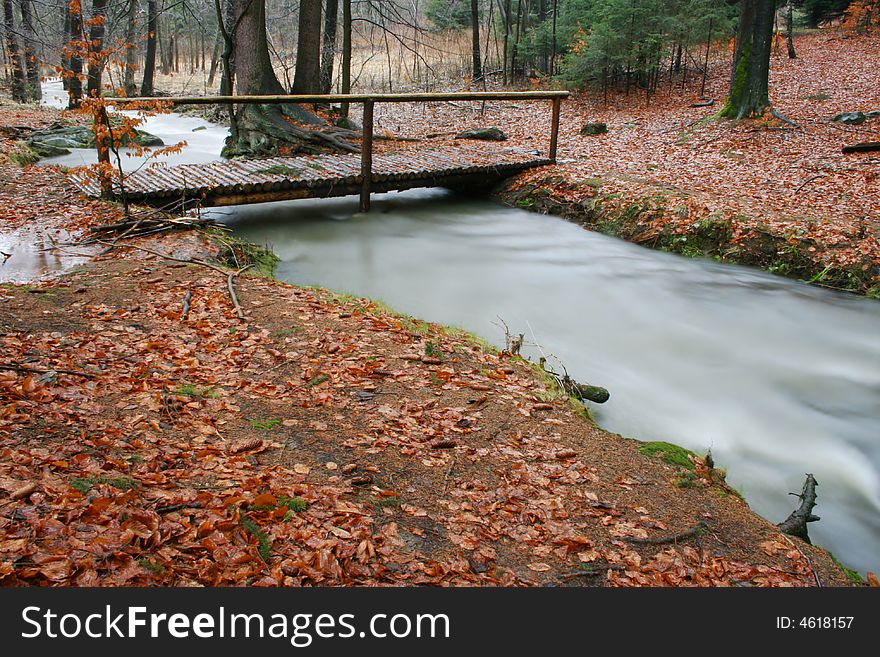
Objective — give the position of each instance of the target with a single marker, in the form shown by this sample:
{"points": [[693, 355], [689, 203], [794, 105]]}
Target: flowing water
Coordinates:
{"points": [[203, 139], [777, 378]]}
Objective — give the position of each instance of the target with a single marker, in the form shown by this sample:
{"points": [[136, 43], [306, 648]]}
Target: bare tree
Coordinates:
{"points": [[31, 60], [307, 79], [328, 47], [150, 56], [14, 53]]}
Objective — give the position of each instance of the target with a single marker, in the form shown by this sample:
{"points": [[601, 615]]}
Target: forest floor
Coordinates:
{"points": [[327, 440], [668, 175], [320, 440]]}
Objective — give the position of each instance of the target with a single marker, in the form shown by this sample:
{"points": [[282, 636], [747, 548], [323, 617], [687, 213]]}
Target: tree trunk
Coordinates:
{"points": [[150, 57], [263, 129], [477, 68], [14, 53], [96, 46], [307, 78], [505, 45], [31, 60], [346, 52], [749, 94], [328, 48], [76, 38], [131, 49], [789, 29]]}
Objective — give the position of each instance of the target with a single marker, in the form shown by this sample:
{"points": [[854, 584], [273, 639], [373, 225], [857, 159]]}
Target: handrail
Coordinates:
{"points": [[347, 98], [368, 101]]}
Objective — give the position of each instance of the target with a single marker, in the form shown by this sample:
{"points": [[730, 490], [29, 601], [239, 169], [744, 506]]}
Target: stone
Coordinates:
{"points": [[347, 123], [850, 118], [486, 134], [59, 141], [592, 128]]}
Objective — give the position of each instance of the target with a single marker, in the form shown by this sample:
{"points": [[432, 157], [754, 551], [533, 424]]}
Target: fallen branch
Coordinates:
{"points": [[230, 275], [592, 570], [161, 510], [697, 530], [708, 103], [796, 523], [862, 147], [229, 284], [36, 370], [808, 181]]}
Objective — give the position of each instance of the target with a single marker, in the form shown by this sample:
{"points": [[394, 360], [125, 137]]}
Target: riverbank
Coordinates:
{"points": [[666, 174], [322, 440]]}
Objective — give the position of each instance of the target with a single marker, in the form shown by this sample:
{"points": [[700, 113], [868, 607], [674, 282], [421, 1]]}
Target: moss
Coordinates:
{"points": [[673, 454], [23, 155], [190, 390], [236, 253], [730, 110], [852, 575], [84, 484]]}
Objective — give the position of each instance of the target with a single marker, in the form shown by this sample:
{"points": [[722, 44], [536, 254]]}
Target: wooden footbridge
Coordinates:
{"points": [[244, 181]]}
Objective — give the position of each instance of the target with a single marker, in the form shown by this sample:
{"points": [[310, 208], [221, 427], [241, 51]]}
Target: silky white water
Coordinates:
{"points": [[777, 378]]}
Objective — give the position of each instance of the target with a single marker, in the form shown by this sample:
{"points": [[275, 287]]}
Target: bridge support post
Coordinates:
{"points": [[554, 128], [367, 156]]}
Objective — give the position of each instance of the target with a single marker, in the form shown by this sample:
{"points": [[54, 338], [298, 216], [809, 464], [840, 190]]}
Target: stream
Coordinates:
{"points": [[776, 377]]}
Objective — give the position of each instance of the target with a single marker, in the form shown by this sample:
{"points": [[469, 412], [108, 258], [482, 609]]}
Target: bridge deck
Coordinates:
{"points": [[236, 182]]}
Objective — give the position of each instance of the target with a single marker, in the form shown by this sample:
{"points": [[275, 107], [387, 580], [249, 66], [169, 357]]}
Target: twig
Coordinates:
{"points": [[229, 284], [230, 275], [37, 370], [696, 530], [807, 182], [807, 559], [177, 507], [595, 570]]}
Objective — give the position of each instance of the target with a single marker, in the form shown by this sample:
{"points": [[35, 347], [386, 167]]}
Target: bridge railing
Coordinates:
{"points": [[369, 101]]}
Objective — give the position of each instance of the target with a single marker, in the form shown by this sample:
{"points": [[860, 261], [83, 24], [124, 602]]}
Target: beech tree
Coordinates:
{"points": [[749, 93], [14, 53], [307, 78]]}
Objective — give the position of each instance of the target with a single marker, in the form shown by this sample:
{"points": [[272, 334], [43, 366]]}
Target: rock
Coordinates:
{"points": [[594, 128], [347, 123], [43, 149], [143, 138], [850, 118], [59, 141], [486, 134]]}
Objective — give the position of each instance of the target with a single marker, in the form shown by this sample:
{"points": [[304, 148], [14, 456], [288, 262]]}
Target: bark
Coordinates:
{"points": [[31, 60], [477, 67], [264, 129], [75, 43], [346, 52], [150, 56], [96, 46], [131, 52], [796, 523], [749, 93], [506, 40], [14, 53], [789, 29], [328, 48], [307, 78]]}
